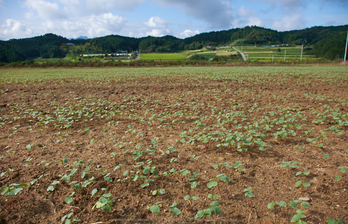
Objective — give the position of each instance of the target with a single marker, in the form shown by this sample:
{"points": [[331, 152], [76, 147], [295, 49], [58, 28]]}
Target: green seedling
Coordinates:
{"points": [[64, 160], [300, 184], [215, 208], [326, 156], [332, 221], [303, 174], [12, 190], [237, 167], [66, 218], [107, 179], [290, 164], [171, 172], [203, 213], [173, 159], [155, 208], [86, 172], [119, 166], [94, 191], [184, 172], [169, 149], [194, 157], [67, 178], [338, 178], [105, 203], [343, 170], [237, 164], [138, 176], [208, 212], [8, 172], [215, 196], [190, 199], [174, 209], [216, 166], [113, 154], [249, 193], [297, 217], [292, 204], [146, 184], [92, 140], [192, 181], [213, 181], [273, 205], [49, 165], [69, 200], [299, 147], [51, 187], [79, 163], [158, 192]]}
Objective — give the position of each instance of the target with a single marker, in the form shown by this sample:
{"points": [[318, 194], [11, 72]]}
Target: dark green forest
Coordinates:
{"points": [[326, 42]]}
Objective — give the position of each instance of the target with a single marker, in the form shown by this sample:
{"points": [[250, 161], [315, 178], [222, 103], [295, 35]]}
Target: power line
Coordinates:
{"points": [[345, 52]]}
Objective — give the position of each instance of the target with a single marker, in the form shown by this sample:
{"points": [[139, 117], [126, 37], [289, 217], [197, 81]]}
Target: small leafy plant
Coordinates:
{"points": [[155, 208], [249, 193], [105, 203], [173, 209]]}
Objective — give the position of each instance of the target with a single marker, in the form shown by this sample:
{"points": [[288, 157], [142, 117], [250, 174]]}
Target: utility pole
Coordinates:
{"points": [[301, 52], [285, 56], [345, 53]]}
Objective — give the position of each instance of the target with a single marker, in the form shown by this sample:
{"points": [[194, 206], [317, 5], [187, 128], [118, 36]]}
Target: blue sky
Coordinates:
{"points": [[180, 18]]}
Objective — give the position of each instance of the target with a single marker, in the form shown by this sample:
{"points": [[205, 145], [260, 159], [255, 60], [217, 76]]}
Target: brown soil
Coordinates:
{"points": [[51, 117]]}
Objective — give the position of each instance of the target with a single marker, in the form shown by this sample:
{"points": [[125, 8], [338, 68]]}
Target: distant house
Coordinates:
{"points": [[70, 44], [93, 55], [270, 45]]}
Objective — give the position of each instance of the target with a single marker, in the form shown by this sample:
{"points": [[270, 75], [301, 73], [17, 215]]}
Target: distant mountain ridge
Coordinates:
{"points": [[80, 38], [321, 41]]}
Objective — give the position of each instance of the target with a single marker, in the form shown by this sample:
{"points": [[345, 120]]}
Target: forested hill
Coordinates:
{"points": [[324, 41]]}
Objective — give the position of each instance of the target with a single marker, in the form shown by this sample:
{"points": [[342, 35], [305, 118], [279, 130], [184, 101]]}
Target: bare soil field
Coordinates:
{"points": [[173, 145]]}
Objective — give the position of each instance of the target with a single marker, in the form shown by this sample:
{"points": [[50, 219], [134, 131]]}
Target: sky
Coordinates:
{"points": [[180, 18]]}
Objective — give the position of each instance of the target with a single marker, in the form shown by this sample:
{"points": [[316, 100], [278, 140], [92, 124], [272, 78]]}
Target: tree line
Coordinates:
{"points": [[326, 42]]}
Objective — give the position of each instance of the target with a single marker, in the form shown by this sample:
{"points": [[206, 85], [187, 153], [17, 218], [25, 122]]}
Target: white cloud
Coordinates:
{"points": [[70, 2], [92, 18], [246, 17], [102, 6], [188, 33], [46, 10], [254, 21], [218, 14], [155, 33], [14, 29], [243, 12], [158, 26], [335, 20], [128, 4], [289, 23], [156, 21], [288, 6], [92, 26], [105, 24]]}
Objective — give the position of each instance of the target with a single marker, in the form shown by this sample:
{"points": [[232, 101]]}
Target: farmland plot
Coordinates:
{"points": [[238, 145]]}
